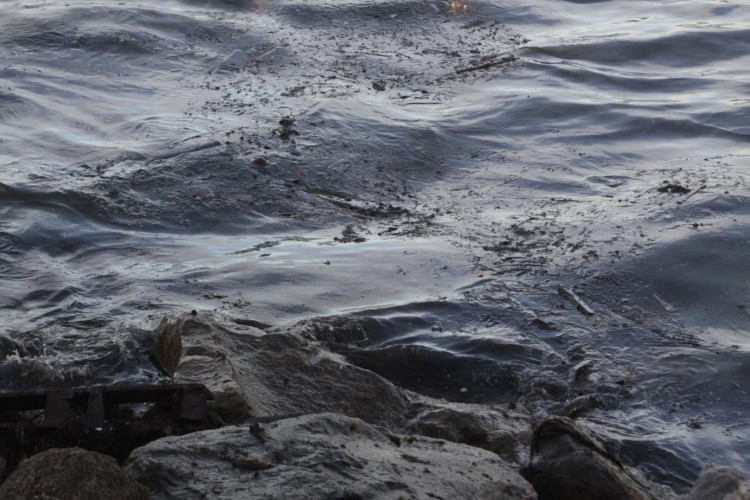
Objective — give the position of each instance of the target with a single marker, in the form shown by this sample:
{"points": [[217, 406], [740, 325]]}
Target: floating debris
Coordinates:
{"points": [[582, 307]]}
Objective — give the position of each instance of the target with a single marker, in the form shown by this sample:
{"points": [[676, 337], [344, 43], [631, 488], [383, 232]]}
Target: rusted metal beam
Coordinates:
{"points": [[56, 409], [189, 401], [193, 405], [95, 409]]}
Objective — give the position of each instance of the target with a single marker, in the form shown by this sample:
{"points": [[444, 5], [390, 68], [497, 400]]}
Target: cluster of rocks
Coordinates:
{"points": [[304, 423]]}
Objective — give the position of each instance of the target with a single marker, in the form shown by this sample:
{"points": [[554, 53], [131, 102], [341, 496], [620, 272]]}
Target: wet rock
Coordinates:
{"points": [[566, 463], [260, 162], [74, 474], [720, 483], [253, 373], [320, 456], [502, 429], [168, 349]]}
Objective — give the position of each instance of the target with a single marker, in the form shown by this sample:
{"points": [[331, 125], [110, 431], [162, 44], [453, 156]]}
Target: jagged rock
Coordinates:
{"points": [[502, 429], [320, 456], [168, 346], [720, 483], [566, 463], [253, 373], [71, 474]]}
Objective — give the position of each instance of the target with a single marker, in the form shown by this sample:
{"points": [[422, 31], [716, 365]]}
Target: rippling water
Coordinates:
{"points": [[272, 162]]}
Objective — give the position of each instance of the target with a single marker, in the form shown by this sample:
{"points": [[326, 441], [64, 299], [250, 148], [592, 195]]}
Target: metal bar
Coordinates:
{"points": [[111, 395]]}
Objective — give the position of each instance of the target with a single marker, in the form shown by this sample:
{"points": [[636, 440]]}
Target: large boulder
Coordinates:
{"points": [[253, 373], [568, 464], [320, 456], [720, 483], [71, 474], [168, 346]]}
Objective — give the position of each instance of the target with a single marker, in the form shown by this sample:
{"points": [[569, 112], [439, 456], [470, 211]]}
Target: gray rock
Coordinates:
{"points": [[720, 483], [168, 348], [320, 456], [71, 474], [253, 373], [566, 463], [502, 429]]}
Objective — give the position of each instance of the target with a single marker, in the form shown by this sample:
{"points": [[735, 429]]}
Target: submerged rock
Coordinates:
{"points": [[320, 456], [71, 474], [720, 483], [566, 463], [253, 373]]}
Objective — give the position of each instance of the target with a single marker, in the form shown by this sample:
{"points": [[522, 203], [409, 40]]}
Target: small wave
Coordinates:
{"points": [[13, 106], [684, 49]]}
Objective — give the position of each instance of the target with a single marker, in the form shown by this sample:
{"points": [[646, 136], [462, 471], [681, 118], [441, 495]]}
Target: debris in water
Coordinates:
{"points": [[582, 307], [504, 60], [673, 188], [582, 370], [258, 431], [456, 7], [692, 193]]}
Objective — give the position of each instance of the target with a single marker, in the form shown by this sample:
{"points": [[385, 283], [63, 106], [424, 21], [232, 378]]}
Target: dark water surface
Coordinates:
{"points": [[272, 162]]}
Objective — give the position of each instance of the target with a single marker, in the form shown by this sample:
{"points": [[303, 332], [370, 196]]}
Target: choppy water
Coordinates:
{"points": [[144, 171]]}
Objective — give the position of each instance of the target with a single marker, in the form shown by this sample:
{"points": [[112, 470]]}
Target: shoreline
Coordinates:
{"points": [[299, 409]]}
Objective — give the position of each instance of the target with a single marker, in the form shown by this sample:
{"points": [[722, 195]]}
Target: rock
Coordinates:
{"points": [[720, 483], [502, 429], [168, 346], [566, 463], [320, 456], [253, 373], [71, 474]]}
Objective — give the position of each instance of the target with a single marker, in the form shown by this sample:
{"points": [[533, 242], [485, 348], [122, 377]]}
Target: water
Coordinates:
{"points": [[273, 162]]}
